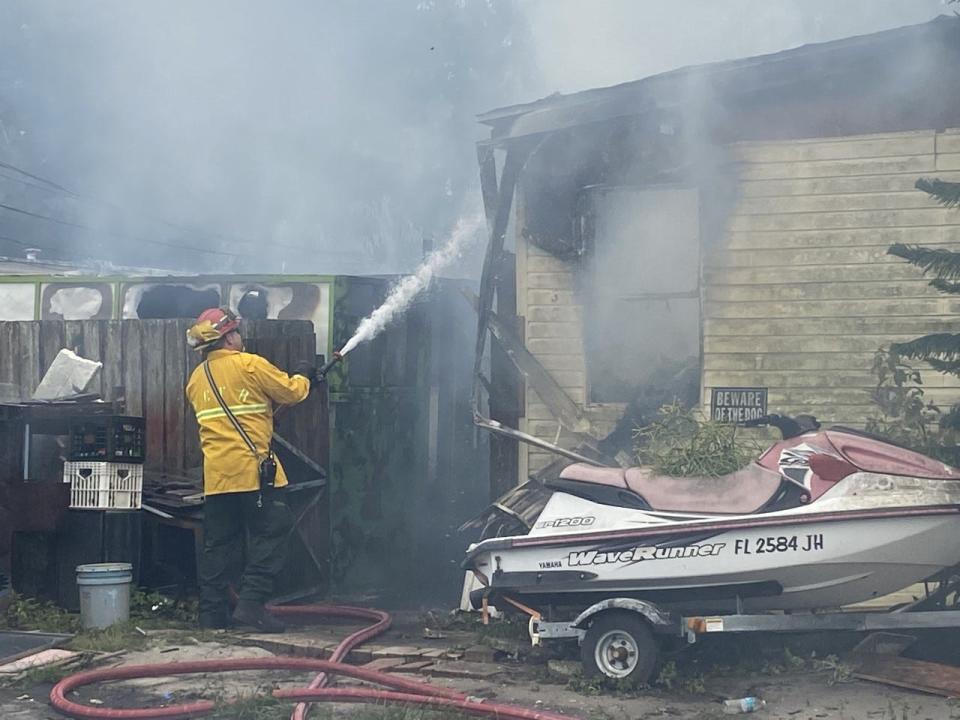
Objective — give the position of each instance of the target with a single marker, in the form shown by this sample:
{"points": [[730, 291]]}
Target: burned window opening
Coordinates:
{"points": [[253, 305], [164, 302], [640, 286]]}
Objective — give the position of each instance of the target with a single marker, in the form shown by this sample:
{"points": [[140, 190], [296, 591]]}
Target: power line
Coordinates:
{"points": [[69, 223], [50, 185]]}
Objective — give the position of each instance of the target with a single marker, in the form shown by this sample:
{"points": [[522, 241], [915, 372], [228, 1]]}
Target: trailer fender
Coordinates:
{"points": [[660, 621]]}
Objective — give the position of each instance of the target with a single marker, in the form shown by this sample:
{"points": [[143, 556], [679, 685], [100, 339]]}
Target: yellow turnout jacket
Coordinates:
{"points": [[250, 386]]}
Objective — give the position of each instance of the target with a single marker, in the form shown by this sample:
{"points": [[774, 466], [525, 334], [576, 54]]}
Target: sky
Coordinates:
{"points": [[303, 136]]}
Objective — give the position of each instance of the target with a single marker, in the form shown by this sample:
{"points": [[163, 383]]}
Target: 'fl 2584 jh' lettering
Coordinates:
{"points": [[779, 543]]}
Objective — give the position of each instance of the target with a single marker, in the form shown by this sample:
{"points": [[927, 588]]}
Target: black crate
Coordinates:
{"points": [[111, 438]]}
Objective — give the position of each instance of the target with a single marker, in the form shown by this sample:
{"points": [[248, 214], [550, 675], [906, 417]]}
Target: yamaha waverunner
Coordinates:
{"points": [[822, 519]]}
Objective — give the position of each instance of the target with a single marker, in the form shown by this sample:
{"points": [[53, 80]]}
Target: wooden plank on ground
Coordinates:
{"points": [[384, 663], [928, 677], [414, 666], [463, 669], [401, 651]]}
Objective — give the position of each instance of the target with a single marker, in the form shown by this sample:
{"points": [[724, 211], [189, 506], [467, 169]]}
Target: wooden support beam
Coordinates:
{"points": [[567, 412], [498, 216]]}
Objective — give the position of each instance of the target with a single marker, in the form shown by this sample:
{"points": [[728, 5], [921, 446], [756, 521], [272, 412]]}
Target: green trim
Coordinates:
{"points": [[56, 278]]}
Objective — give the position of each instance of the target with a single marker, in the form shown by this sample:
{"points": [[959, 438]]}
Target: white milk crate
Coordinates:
{"points": [[104, 485]]}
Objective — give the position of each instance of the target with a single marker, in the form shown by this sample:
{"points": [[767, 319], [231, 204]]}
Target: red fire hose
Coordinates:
{"points": [[400, 690]]}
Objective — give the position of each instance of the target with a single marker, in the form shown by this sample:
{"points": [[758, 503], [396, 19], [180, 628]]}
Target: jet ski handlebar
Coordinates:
{"points": [[789, 427]]}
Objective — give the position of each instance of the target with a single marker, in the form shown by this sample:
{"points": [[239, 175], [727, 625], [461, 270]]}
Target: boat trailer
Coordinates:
{"points": [[617, 636]]}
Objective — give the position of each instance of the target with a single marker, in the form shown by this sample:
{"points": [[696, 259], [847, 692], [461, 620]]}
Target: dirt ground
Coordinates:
{"points": [[691, 686]]}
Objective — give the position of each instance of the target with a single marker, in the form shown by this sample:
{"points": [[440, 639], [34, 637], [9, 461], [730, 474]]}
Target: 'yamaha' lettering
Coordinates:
{"points": [[637, 554]]}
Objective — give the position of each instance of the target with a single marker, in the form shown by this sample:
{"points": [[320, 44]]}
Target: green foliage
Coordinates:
{"points": [[122, 636], [942, 264], [43, 675], [670, 678], [152, 607], [946, 193], [26, 613], [905, 416], [682, 443], [941, 350]]}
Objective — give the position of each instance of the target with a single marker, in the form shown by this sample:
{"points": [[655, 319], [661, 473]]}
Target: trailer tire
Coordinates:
{"points": [[619, 644]]}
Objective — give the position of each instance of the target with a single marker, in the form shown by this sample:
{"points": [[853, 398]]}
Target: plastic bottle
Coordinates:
{"points": [[743, 705]]}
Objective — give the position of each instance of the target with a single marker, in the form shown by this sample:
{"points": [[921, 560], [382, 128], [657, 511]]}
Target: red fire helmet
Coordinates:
{"points": [[211, 325]]}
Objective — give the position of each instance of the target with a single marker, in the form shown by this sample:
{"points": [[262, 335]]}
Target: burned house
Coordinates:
{"points": [[719, 227]]}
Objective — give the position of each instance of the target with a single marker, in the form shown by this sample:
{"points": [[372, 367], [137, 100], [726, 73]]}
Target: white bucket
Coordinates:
{"points": [[104, 594]]}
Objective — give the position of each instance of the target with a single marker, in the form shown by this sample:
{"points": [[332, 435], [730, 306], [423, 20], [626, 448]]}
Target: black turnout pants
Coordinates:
{"points": [[232, 521]]}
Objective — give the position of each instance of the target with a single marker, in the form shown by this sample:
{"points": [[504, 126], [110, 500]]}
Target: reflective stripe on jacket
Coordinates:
{"points": [[250, 386]]}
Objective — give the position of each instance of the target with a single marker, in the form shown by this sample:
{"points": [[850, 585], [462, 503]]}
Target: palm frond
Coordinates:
{"points": [[944, 264], [946, 193], [948, 367], [944, 347], [946, 286]]}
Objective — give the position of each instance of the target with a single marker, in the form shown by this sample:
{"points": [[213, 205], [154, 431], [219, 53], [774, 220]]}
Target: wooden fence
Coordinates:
{"points": [[147, 363]]}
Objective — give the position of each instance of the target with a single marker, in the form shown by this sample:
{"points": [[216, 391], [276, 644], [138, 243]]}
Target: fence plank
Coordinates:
{"points": [[152, 354], [30, 361], [111, 341], [9, 361], [132, 339], [192, 456], [174, 369], [73, 336], [51, 342], [93, 350]]}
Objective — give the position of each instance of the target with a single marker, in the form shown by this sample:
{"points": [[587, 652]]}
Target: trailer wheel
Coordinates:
{"points": [[619, 645]]}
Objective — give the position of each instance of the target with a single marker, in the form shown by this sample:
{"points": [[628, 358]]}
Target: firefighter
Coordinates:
{"points": [[233, 394]]}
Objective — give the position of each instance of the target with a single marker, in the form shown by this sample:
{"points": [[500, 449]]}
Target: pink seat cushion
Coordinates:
{"points": [[614, 477], [739, 493]]}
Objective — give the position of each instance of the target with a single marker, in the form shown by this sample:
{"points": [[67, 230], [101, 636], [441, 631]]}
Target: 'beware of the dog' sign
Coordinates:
{"points": [[737, 405]]}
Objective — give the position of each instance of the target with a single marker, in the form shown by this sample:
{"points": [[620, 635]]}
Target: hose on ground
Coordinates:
{"points": [[399, 690]]}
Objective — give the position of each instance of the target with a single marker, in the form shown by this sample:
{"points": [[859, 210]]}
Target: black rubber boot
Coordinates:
{"points": [[254, 615]]}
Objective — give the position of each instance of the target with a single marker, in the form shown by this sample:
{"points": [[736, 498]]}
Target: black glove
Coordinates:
{"points": [[308, 370]]}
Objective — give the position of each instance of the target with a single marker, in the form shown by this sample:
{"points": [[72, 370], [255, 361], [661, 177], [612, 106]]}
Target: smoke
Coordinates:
{"points": [[580, 45], [330, 137], [466, 232], [295, 136]]}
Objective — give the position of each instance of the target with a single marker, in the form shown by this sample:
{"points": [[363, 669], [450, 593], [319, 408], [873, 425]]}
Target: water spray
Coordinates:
{"points": [[407, 289]]}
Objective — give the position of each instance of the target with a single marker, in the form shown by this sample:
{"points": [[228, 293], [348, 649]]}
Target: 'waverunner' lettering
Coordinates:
{"points": [[594, 557]]}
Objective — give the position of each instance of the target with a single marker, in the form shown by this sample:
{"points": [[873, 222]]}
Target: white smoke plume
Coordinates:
{"points": [[466, 231]]}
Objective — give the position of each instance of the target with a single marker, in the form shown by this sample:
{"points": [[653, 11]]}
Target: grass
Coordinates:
{"points": [[46, 675], [682, 442]]}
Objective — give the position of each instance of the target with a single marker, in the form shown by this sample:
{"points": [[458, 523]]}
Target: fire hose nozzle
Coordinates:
{"points": [[322, 372]]}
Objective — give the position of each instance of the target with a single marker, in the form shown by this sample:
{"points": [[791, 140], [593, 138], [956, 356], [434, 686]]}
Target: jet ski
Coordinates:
{"points": [[822, 519]]}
